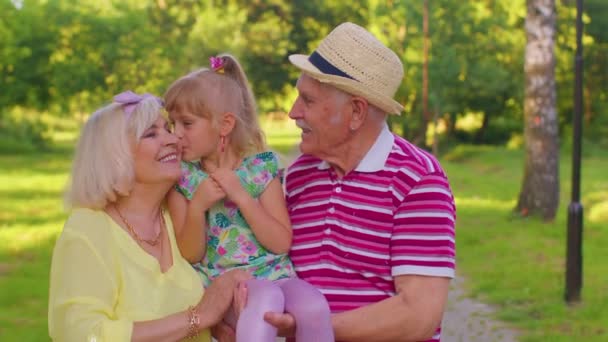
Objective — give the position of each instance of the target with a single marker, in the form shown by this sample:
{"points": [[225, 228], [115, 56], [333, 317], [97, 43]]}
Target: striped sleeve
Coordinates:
{"points": [[423, 239]]}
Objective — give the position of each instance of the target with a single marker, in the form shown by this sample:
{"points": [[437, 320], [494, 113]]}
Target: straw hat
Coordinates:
{"points": [[353, 60]]}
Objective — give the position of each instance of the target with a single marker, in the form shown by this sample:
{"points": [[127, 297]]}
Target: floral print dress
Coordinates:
{"points": [[230, 240]]}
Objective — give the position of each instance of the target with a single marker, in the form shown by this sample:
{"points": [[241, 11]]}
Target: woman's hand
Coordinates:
{"points": [[222, 332], [218, 297]]}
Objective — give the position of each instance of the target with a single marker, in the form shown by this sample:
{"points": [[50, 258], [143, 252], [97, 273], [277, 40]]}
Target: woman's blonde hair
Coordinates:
{"points": [[103, 163], [209, 93]]}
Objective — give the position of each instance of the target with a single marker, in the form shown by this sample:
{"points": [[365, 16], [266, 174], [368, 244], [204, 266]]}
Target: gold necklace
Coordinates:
{"points": [[153, 242]]}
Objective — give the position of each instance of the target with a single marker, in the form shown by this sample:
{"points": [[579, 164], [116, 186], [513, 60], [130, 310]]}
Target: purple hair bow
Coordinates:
{"points": [[130, 100]]}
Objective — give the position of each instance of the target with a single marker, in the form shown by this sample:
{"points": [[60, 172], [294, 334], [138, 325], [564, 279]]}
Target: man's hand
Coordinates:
{"points": [[282, 321]]}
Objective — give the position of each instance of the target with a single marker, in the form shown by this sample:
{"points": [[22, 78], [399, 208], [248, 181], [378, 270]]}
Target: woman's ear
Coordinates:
{"points": [[226, 123], [359, 112]]}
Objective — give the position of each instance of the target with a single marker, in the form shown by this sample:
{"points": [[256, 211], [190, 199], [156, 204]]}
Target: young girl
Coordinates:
{"points": [[229, 209]]}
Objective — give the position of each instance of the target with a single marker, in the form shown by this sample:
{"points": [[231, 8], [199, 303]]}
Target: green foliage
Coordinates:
{"points": [[70, 57], [22, 131]]}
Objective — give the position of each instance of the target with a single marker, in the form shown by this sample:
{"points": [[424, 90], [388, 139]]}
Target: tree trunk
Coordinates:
{"points": [[425, 72], [480, 135], [540, 188]]}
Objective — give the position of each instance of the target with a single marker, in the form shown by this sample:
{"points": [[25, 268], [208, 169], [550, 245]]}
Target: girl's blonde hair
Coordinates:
{"points": [[103, 165], [210, 93]]}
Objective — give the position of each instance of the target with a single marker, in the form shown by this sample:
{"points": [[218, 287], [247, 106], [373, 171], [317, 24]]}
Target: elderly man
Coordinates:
{"points": [[373, 215]]}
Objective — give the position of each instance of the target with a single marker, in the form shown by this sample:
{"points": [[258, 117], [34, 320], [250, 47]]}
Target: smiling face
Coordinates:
{"points": [[322, 114], [156, 155]]}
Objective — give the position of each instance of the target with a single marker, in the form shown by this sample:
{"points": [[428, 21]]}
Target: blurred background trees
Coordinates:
{"points": [[63, 58]]}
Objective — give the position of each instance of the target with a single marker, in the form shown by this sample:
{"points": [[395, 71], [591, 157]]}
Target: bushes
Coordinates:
{"points": [[22, 131]]}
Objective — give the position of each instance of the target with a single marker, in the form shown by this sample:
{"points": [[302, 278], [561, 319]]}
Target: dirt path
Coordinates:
{"points": [[467, 320]]}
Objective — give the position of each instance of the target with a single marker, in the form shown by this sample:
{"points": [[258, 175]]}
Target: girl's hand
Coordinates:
{"points": [[208, 193], [230, 183]]}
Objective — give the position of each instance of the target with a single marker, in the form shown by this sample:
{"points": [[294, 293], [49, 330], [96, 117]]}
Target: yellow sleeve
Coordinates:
{"points": [[83, 292]]}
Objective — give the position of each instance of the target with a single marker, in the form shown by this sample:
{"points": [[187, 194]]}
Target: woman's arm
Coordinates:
{"points": [[84, 289], [83, 293], [209, 311]]}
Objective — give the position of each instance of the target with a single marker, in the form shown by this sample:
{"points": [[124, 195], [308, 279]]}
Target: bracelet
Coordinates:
{"points": [[193, 322]]}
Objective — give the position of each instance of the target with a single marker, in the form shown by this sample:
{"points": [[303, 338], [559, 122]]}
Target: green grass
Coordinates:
{"points": [[519, 264], [515, 264], [282, 135], [31, 216]]}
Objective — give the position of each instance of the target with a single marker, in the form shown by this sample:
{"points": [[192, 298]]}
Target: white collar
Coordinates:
{"points": [[376, 156]]}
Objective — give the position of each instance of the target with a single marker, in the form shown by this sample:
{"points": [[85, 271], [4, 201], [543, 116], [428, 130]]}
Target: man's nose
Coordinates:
{"points": [[295, 112]]}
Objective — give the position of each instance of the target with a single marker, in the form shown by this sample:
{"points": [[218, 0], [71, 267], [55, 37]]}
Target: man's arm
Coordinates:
{"points": [[414, 314]]}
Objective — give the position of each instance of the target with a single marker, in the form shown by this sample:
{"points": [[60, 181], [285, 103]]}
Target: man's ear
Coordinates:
{"points": [[226, 123], [359, 112]]}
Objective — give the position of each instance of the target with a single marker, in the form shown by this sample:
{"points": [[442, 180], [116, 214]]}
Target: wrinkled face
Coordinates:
{"points": [[322, 116], [157, 158], [197, 135]]}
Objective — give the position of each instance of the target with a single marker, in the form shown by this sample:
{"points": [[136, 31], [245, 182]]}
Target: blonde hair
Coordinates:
{"points": [[209, 94], [103, 164]]}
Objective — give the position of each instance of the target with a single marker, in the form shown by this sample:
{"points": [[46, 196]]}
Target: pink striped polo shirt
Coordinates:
{"points": [[393, 215]]}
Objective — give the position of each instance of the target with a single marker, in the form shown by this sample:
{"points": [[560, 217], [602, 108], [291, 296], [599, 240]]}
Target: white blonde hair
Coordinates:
{"points": [[103, 163]]}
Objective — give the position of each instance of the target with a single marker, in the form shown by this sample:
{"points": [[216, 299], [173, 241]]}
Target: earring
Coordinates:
{"points": [[222, 143]]}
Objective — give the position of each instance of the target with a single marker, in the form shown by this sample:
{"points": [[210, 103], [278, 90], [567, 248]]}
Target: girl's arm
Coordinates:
{"points": [[267, 216], [190, 226], [189, 218]]}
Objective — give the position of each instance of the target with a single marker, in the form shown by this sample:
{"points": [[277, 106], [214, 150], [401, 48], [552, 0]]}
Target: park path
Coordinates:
{"points": [[469, 320]]}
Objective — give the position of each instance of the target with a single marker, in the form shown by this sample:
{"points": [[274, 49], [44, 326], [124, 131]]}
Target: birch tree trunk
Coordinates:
{"points": [[540, 188]]}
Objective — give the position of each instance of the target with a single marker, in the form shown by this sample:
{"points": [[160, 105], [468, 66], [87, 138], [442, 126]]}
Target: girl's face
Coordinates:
{"points": [[198, 137], [157, 154]]}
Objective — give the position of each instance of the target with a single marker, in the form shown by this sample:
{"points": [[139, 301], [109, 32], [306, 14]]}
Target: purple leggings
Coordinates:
{"points": [[295, 296]]}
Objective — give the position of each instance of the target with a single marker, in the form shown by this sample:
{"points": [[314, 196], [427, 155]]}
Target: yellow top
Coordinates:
{"points": [[102, 281]]}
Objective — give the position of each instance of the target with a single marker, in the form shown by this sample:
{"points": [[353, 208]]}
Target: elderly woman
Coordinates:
{"points": [[116, 273]]}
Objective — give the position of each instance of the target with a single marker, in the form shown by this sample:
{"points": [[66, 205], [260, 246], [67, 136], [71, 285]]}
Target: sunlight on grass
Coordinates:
{"points": [[20, 238], [483, 203], [599, 212]]}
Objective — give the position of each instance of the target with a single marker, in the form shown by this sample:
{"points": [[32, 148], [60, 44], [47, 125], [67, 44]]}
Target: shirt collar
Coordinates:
{"points": [[376, 156]]}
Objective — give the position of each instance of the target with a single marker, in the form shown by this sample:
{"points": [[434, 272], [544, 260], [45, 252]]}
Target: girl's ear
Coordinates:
{"points": [[226, 123]]}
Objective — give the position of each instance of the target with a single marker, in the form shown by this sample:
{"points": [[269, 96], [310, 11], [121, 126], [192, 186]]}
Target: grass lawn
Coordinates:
{"points": [[519, 264], [516, 264]]}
